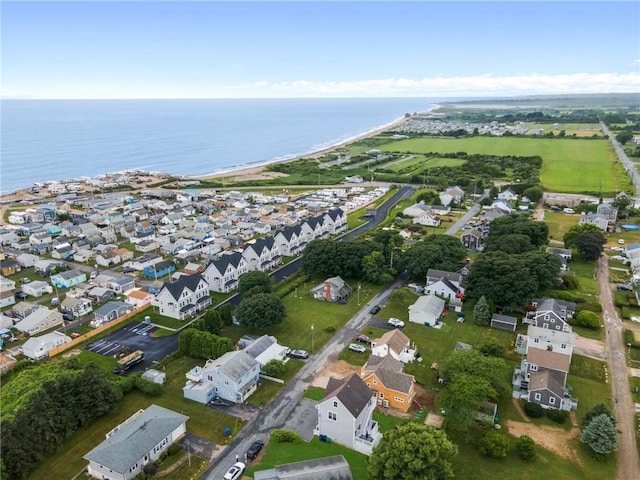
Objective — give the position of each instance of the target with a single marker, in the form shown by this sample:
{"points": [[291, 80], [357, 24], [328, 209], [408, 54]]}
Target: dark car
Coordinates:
{"points": [[375, 309], [20, 295], [364, 338], [254, 449], [625, 288]]}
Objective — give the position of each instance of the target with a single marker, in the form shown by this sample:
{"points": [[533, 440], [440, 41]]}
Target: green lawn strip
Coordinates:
{"points": [[577, 129], [569, 165], [191, 467], [634, 383], [588, 368], [314, 393], [355, 358], [559, 224], [267, 389], [588, 392], [283, 453]]}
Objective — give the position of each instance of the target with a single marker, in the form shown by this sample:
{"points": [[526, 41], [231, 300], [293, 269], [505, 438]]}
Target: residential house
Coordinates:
{"points": [[111, 311], [136, 442], [333, 289], [504, 322], [426, 310], [160, 269], [507, 195], [600, 221], [545, 339], [393, 343], [108, 257], [336, 220], [266, 348], [7, 298], [9, 267], [222, 275], [139, 298], [183, 298], [7, 362], [77, 307], [345, 414], [121, 284], [564, 254], [48, 267], [39, 320], [144, 261], [233, 377], [550, 313], [416, 210], [101, 294], [473, 239], [262, 255], [37, 288], [434, 276], [391, 386], [38, 347], [24, 309], [326, 468], [191, 268], [290, 240], [68, 278], [608, 210], [447, 286], [451, 194], [27, 260], [6, 284], [428, 220]]}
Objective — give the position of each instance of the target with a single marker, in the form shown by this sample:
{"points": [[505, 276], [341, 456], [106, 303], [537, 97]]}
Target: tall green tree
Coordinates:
{"points": [[413, 451], [254, 282], [462, 398], [375, 270], [494, 444], [544, 268], [442, 252], [482, 312], [600, 434], [590, 244], [512, 243], [570, 237], [476, 365], [534, 194], [537, 232], [261, 310]]}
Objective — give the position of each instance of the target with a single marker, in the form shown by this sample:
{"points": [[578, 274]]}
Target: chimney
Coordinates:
{"points": [[327, 291]]}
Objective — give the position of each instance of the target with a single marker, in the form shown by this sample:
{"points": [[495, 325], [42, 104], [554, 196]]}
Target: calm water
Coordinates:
{"points": [[56, 139]]}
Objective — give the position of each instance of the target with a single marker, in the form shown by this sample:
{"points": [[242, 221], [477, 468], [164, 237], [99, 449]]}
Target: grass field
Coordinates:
{"points": [[569, 165], [577, 129], [420, 163]]}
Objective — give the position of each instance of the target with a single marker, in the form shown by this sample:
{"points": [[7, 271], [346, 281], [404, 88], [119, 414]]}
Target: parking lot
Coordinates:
{"points": [[136, 336]]}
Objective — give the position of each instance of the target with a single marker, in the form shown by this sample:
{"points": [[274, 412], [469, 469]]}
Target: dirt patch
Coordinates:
{"points": [[72, 353], [337, 369], [424, 400], [554, 439]]}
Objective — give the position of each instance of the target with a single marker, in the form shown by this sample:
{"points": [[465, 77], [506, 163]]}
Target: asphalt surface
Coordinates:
{"points": [[628, 165], [136, 336], [623, 405]]}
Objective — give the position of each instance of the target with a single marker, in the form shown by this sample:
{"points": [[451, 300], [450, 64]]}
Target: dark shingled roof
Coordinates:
{"points": [[352, 392], [334, 213], [185, 281], [327, 468], [223, 262], [389, 372]]}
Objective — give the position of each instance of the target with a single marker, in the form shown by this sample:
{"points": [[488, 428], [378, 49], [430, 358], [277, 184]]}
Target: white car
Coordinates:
{"points": [[235, 472], [617, 249], [395, 322], [356, 347]]}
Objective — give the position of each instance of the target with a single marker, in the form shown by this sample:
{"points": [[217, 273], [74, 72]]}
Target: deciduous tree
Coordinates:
{"points": [[261, 310], [413, 451], [462, 398], [590, 244], [254, 282]]}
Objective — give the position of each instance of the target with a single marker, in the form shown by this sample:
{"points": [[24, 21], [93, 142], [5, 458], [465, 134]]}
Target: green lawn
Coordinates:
{"points": [[268, 389], [569, 165], [577, 129]]}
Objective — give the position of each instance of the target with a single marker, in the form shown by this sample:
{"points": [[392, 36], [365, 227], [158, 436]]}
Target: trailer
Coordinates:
{"points": [[128, 361]]}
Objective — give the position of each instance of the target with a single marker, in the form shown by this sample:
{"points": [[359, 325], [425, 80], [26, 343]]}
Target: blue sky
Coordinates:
{"points": [[211, 49]]}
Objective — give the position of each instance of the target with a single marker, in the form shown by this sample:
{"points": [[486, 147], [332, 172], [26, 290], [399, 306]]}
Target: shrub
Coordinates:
{"points": [[592, 307], [173, 449], [597, 409], [274, 368], [150, 468], [330, 329], [569, 282], [533, 410], [558, 416], [526, 447], [286, 436], [494, 444], [149, 388], [586, 319]]}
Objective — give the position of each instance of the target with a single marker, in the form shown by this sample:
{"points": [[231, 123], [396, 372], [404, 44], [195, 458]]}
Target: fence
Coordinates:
{"points": [[96, 331]]}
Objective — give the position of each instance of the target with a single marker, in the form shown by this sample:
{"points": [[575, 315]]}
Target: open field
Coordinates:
{"points": [[420, 163], [577, 129], [569, 165]]}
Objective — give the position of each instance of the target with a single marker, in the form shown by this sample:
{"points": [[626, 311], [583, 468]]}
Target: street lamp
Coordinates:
{"points": [[359, 287], [312, 339]]}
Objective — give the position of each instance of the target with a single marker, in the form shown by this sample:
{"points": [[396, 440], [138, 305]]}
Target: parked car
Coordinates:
{"points": [[619, 258], [235, 472], [364, 339], [625, 288], [68, 317], [621, 241], [21, 295], [356, 347], [617, 249], [395, 322], [298, 354], [375, 309], [128, 270], [254, 449], [25, 280]]}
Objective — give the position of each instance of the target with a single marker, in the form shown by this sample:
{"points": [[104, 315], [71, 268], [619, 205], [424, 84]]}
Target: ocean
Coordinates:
{"points": [[43, 140]]}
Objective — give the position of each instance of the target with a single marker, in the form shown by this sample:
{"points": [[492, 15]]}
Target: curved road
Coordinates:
{"points": [[623, 405]]}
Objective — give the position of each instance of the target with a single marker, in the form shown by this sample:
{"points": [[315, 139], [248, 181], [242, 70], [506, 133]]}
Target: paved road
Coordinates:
{"points": [[276, 412], [623, 405], [629, 166]]}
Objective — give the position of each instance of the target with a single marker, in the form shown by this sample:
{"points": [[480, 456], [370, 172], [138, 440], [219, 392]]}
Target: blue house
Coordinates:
{"points": [[160, 269], [68, 279]]}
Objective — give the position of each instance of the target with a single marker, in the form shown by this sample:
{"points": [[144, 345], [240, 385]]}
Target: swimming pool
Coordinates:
{"points": [[630, 227]]}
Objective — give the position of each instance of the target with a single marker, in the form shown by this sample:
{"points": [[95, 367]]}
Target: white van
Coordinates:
{"points": [[570, 211]]}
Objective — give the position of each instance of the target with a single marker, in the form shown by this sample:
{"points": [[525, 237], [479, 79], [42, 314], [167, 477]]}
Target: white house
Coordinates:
{"points": [[395, 344], [140, 440], [266, 348], [184, 297], [426, 310], [507, 195], [40, 320], [345, 414], [551, 313], [38, 347], [37, 288], [233, 377], [222, 275]]}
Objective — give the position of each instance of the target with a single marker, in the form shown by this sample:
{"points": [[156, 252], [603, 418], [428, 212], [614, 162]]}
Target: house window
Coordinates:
{"points": [[536, 340], [335, 404], [381, 395], [398, 399], [563, 346], [533, 368], [547, 317], [553, 320], [552, 401], [537, 396], [375, 382], [332, 416]]}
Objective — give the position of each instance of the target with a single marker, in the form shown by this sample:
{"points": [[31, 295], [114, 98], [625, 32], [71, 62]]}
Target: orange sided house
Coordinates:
{"points": [[391, 386]]}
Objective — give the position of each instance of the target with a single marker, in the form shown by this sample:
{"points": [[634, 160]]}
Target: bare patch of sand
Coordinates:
{"points": [[337, 369], [554, 439]]}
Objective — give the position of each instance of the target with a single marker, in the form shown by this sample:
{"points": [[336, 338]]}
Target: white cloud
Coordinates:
{"points": [[478, 85]]}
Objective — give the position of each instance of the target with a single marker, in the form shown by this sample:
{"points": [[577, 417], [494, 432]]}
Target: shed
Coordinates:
{"points": [[155, 376], [504, 322]]}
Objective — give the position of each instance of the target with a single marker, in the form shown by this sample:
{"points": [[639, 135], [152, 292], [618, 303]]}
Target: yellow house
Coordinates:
{"points": [[391, 386]]}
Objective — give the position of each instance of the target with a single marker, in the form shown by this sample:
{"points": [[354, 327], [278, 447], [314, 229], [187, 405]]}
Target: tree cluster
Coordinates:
{"points": [[588, 239], [413, 451], [196, 343], [441, 252], [261, 310], [74, 399]]}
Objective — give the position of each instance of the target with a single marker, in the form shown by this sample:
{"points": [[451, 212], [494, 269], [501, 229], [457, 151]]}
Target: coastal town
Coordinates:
{"points": [[152, 277]]}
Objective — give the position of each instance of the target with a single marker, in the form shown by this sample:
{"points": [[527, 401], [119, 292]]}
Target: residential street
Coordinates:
{"points": [[623, 405]]}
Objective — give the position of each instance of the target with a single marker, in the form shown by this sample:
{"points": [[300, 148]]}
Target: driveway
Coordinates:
{"points": [[303, 419]]}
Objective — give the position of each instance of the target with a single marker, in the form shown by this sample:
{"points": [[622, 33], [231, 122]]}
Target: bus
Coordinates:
{"points": [[128, 361]]}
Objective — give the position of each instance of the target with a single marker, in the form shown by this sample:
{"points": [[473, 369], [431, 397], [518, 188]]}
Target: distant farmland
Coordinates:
{"points": [[569, 165]]}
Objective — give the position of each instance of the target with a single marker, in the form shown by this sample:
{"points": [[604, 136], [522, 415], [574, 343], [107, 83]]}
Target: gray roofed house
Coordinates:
{"points": [[265, 349], [111, 311], [233, 377], [345, 414], [392, 387], [138, 441], [333, 289], [184, 297], [426, 310], [327, 468]]}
